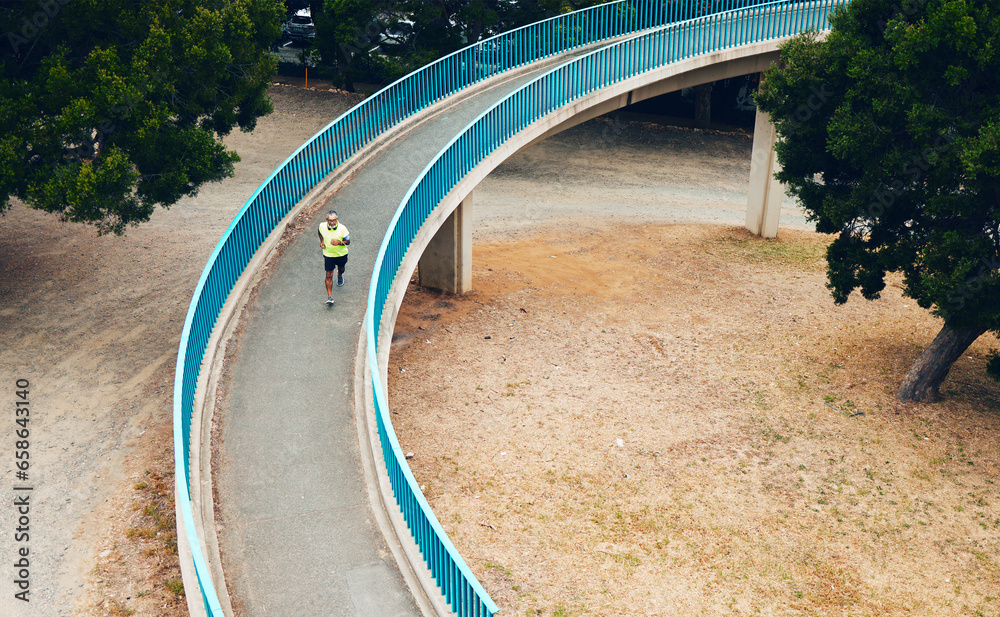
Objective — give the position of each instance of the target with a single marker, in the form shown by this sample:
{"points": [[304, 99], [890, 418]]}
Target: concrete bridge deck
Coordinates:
{"points": [[298, 529]]}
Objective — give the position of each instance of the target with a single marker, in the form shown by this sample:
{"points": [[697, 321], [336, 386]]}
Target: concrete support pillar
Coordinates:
{"points": [[764, 200], [446, 263]]}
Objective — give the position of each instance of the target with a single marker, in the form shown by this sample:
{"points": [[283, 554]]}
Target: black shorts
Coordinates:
{"points": [[334, 262]]}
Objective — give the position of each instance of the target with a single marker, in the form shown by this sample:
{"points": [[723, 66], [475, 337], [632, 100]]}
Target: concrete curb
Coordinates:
{"points": [[388, 516], [212, 365], [200, 465]]}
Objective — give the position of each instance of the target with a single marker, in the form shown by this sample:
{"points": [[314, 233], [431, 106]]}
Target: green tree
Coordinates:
{"points": [[347, 32], [439, 27], [890, 138], [110, 107], [385, 39]]}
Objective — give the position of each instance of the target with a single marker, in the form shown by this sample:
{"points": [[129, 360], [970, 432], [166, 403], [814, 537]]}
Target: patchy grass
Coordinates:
{"points": [[157, 523], [117, 609], [740, 246], [138, 573], [175, 586]]}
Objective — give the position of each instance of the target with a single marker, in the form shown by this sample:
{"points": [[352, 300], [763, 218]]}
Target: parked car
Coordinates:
{"points": [[301, 27]]}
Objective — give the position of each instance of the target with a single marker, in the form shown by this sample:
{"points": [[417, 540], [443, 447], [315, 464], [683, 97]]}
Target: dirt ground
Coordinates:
{"points": [[633, 416], [677, 420], [550, 511]]}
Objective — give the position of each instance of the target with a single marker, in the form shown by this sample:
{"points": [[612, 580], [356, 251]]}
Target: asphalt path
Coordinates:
{"points": [[296, 531]]}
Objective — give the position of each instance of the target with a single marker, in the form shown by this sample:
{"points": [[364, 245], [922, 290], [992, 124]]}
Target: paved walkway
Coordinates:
{"points": [[296, 530]]}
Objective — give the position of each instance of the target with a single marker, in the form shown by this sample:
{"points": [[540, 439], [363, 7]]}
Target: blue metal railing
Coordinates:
{"points": [[331, 147], [547, 93], [350, 134]]}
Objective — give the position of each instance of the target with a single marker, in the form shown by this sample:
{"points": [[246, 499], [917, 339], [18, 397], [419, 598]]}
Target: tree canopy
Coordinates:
{"points": [[110, 107], [346, 33], [890, 138], [385, 39]]}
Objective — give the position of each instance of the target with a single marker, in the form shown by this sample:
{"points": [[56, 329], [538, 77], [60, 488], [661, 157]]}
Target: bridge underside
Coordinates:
{"points": [[446, 262]]}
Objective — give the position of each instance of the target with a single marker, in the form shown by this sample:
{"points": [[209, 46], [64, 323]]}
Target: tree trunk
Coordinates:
{"points": [[922, 381], [344, 68], [703, 106]]}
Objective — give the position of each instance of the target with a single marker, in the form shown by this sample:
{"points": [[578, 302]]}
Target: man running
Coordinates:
{"points": [[334, 240]]}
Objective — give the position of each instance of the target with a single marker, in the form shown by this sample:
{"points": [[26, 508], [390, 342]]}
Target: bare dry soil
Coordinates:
{"points": [[677, 420]]}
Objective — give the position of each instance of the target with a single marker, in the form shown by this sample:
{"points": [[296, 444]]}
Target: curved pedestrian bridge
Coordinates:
{"points": [[307, 506]]}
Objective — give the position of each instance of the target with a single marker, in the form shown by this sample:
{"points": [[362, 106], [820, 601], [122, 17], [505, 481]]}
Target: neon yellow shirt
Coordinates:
{"points": [[339, 233]]}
